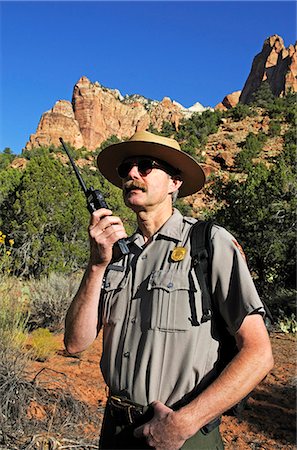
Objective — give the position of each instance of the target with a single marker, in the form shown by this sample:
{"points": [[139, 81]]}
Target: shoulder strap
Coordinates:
{"points": [[201, 252]]}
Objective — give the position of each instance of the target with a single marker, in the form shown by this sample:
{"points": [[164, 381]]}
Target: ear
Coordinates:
{"points": [[174, 184]]}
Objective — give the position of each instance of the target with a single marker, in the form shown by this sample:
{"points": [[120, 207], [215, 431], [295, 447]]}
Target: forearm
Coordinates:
{"points": [[238, 379], [81, 323]]}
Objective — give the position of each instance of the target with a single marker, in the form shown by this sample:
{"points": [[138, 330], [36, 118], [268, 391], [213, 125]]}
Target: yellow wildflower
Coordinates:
{"points": [[11, 242], [2, 240], [8, 253]]}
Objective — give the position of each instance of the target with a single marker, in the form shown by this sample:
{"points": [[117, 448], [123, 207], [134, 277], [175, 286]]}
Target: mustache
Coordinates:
{"points": [[134, 184]]}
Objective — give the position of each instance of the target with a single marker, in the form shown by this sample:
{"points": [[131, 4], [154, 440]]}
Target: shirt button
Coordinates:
{"points": [[127, 354], [144, 257], [133, 320], [170, 285]]}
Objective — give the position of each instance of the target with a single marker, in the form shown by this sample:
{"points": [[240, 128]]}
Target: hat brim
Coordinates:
{"points": [[111, 157]]}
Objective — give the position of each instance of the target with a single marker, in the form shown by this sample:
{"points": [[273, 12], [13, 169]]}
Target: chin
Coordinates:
{"points": [[134, 204]]}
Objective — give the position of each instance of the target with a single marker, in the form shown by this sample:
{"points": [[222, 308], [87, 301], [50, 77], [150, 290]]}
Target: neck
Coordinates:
{"points": [[151, 221]]}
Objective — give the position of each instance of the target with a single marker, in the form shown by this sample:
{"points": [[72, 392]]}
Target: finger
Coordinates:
{"points": [[98, 215], [113, 233], [138, 432], [105, 223]]}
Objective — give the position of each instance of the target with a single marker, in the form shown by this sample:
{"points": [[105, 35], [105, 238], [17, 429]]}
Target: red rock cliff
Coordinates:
{"points": [[96, 113], [275, 64]]}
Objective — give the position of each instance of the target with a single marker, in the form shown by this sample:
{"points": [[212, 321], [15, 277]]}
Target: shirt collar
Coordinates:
{"points": [[172, 229]]}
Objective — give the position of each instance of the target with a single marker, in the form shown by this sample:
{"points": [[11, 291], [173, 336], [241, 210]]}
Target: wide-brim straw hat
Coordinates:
{"points": [[144, 143]]}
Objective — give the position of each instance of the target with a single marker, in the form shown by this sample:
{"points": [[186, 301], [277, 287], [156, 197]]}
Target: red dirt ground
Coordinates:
{"points": [[267, 423]]}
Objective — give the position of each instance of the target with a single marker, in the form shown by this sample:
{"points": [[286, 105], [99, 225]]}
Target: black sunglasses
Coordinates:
{"points": [[145, 166]]}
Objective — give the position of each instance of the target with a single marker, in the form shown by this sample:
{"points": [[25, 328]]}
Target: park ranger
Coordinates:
{"points": [[159, 362]]}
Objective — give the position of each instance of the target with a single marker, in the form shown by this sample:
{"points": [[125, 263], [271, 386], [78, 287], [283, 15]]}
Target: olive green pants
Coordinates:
{"points": [[120, 438]]}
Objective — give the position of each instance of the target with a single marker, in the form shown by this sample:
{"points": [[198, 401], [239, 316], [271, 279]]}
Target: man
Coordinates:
{"points": [[160, 365]]}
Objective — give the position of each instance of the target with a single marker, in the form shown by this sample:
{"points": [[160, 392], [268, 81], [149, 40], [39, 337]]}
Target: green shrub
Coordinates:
{"points": [[263, 96], [239, 112], [274, 128], [251, 149], [45, 214], [261, 212], [6, 157], [288, 324], [168, 129], [43, 344], [111, 140]]}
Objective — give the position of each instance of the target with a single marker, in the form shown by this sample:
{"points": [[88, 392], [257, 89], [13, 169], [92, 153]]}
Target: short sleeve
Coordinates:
{"points": [[232, 285]]}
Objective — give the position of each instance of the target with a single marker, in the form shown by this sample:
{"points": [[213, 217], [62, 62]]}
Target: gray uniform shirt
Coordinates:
{"points": [[152, 350]]}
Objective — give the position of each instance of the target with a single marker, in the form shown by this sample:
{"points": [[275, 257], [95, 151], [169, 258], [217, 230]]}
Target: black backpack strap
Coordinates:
{"points": [[201, 252]]}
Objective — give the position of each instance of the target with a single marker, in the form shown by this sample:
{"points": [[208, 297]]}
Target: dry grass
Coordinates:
{"points": [[38, 413]]}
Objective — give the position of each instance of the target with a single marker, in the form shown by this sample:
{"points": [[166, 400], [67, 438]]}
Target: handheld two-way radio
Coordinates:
{"points": [[95, 199]]}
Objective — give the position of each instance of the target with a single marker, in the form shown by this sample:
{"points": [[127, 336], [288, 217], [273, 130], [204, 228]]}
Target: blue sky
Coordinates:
{"points": [[189, 51]]}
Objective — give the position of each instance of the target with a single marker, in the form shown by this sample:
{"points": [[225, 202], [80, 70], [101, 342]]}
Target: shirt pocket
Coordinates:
{"points": [[170, 300], [113, 300]]}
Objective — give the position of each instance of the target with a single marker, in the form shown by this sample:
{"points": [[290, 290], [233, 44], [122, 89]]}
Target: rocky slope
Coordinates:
{"points": [[96, 112], [223, 146]]}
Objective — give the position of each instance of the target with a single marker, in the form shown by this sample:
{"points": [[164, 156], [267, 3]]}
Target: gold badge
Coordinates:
{"points": [[178, 253]]}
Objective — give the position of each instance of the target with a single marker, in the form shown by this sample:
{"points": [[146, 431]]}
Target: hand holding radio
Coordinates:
{"points": [[95, 202]]}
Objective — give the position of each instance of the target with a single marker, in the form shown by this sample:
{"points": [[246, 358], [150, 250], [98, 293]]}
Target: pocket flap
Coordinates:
{"points": [[170, 280], [114, 280]]}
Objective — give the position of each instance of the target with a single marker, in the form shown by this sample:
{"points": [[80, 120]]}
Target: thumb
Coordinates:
{"points": [[160, 410]]}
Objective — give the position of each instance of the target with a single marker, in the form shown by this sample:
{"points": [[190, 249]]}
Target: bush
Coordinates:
{"points": [[261, 212], [45, 214], [62, 414], [168, 129], [251, 149], [192, 134], [111, 140], [43, 344], [263, 96], [6, 157], [13, 316], [288, 324], [239, 112], [284, 108], [6, 249], [50, 298], [274, 128]]}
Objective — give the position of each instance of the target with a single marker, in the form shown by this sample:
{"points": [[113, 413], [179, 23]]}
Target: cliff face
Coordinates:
{"points": [[59, 121], [96, 113], [275, 64]]}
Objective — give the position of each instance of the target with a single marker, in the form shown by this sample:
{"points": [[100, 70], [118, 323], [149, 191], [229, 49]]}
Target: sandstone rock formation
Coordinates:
{"points": [[229, 101], [59, 121], [274, 64], [96, 113]]}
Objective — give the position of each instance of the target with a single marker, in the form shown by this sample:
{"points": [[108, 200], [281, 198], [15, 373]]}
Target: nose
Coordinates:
{"points": [[133, 172]]}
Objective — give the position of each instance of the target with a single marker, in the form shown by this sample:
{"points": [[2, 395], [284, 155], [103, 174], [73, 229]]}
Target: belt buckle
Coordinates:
{"points": [[116, 399], [126, 407]]}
